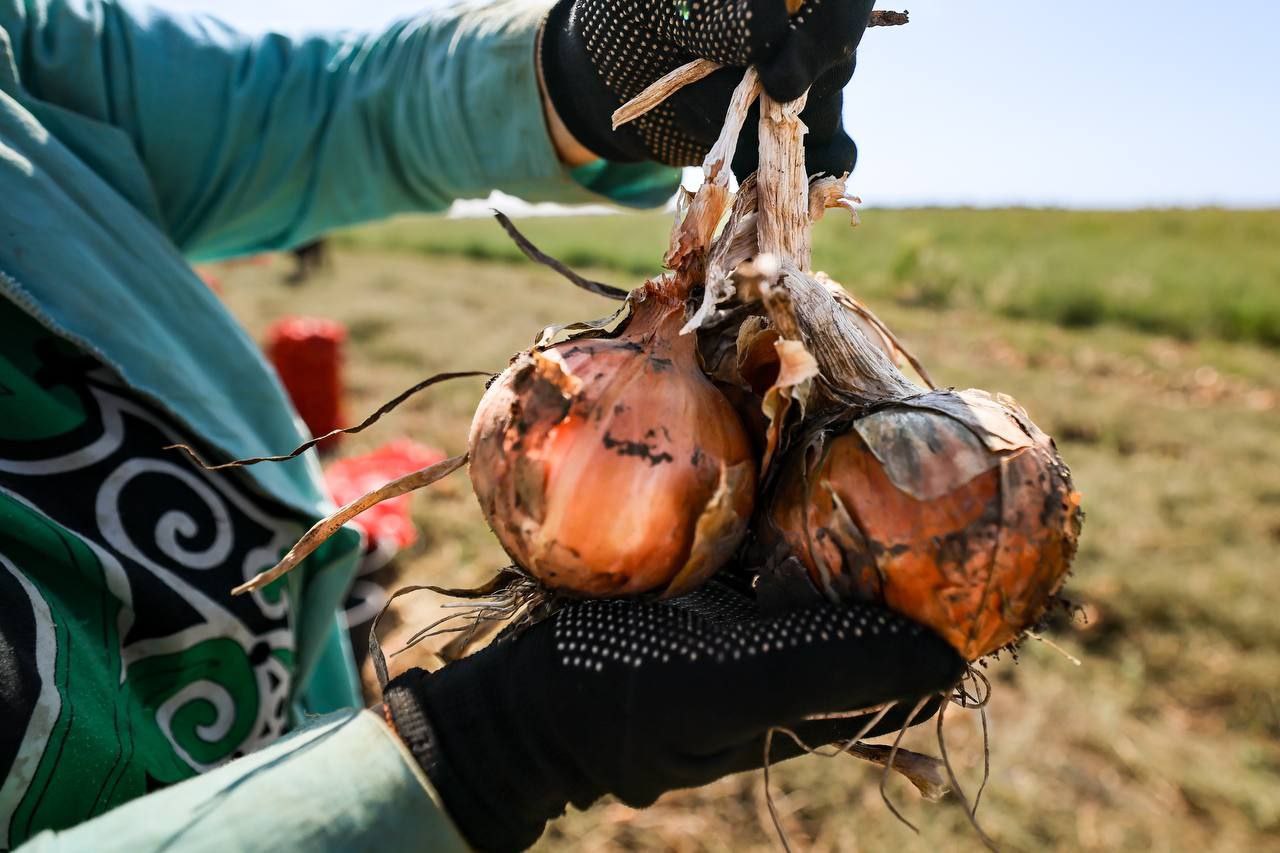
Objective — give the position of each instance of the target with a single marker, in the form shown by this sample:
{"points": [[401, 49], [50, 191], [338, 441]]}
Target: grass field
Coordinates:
{"points": [[1148, 343], [1188, 274]]}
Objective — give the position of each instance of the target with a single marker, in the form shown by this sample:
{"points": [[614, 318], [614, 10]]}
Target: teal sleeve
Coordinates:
{"points": [[344, 782], [258, 142], [331, 682]]}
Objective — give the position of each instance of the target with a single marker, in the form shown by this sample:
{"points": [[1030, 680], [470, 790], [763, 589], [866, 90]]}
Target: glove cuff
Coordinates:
{"points": [[405, 708], [582, 100], [488, 750], [487, 825]]}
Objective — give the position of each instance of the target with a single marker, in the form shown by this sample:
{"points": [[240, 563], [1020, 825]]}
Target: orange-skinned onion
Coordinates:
{"points": [[952, 509], [612, 466]]}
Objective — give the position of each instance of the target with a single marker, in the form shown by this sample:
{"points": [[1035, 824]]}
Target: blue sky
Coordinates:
{"points": [[1082, 104]]}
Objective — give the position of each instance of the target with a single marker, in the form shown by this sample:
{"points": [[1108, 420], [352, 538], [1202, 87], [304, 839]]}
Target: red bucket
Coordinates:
{"points": [[307, 353]]}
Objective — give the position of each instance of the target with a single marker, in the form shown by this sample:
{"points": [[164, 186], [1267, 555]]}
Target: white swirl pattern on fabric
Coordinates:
{"points": [[211, 693], [171, 524], [141, 542], [100, 448]]}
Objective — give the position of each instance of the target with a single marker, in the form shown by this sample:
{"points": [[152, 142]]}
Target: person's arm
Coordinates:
{"points": [[344, 782], [260, 142]]}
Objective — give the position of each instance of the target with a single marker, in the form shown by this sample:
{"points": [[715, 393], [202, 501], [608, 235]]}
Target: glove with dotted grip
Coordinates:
{"points": [[636, 698], [598, 54]]}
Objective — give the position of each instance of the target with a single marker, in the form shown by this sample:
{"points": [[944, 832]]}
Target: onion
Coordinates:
{"points": [[613, 466], [952, 509]]}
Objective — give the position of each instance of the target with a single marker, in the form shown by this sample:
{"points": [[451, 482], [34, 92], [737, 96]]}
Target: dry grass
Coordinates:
{"points": [[1166, 737], [1193, 274]]}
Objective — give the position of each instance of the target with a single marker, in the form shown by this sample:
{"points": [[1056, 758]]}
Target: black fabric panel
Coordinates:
{"points": [[19, 680]]}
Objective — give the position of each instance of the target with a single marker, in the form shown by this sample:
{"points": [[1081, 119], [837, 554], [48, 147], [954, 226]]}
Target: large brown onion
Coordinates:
{"points": [[951, 508], [612, 466]]}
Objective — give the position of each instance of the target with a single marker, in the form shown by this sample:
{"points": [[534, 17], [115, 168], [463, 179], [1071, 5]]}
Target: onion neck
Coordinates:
{"points": [[657, 317]]}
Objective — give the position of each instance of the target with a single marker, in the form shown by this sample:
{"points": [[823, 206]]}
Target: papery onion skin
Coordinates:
{"points": [[953, 510], [613, 467]]}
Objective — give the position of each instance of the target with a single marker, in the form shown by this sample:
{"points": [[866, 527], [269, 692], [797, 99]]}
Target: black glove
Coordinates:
{"points": [[636, 698], [598, 54]]}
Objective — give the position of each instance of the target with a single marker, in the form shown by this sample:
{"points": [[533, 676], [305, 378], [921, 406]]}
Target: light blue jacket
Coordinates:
{"points": [[133, 141]]}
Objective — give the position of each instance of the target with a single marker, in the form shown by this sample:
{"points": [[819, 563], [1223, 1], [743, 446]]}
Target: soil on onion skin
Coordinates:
{"points": [[1165, 738]]}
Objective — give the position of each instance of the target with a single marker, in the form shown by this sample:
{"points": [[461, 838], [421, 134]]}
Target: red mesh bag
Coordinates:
{"points": [[388, 523]]}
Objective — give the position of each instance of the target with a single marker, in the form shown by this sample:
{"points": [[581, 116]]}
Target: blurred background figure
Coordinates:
{"points": [[308, 259]]}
